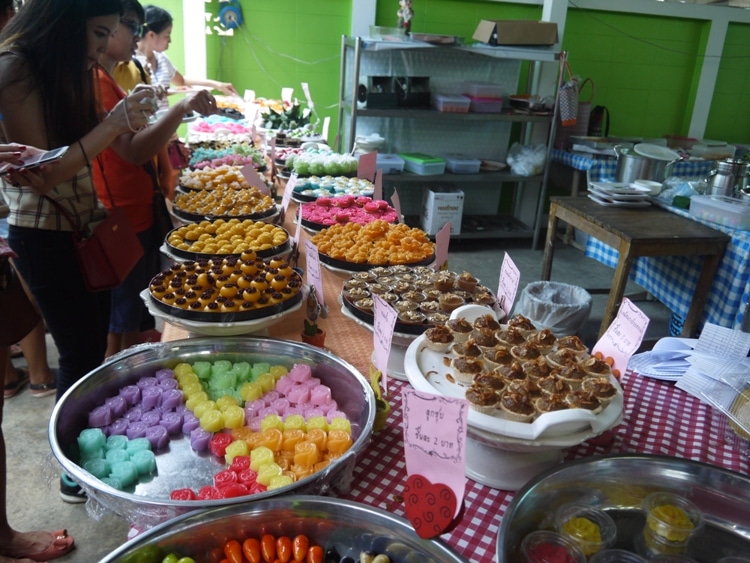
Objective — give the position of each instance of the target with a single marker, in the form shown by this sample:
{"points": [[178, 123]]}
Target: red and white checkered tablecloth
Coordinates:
{"points": [[658, 419]]}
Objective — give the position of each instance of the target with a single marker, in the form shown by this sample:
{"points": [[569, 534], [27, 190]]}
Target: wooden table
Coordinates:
{"points": [[637, 232]]}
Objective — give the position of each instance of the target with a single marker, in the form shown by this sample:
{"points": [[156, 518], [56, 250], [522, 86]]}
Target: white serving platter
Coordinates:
{"points": [[608, 202], [427, 371]]}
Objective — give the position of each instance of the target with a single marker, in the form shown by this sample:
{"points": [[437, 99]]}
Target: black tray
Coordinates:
{"points": [[353, 267], [269, 253], [180, 214], [400, 327], [237, 317]]}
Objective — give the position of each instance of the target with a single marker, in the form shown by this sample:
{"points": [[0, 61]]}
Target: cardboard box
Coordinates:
{"points": [[516, 32], [440, 206]]}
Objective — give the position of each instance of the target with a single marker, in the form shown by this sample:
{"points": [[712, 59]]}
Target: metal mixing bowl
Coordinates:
{"points": [[618, 484], [149, 503], [347, 526]]}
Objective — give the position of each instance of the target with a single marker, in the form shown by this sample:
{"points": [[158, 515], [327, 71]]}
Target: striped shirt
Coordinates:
{"points": [[162, 74]]}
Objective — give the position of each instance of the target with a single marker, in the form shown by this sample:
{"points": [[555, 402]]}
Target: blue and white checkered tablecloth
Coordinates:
{"points": [[672, 279], [602, 168]]}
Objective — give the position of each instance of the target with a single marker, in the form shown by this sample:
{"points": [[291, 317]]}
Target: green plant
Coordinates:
{"points": [[311, 329]]}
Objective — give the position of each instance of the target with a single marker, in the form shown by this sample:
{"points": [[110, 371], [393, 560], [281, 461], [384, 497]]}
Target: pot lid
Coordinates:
{"points": [[656, 152]]}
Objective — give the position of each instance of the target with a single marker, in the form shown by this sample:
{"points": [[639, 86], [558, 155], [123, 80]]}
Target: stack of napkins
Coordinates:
{"points": [[714, 368]]}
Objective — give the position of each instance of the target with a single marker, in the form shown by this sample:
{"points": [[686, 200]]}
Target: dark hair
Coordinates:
{"points": [[135, 7], [5, 4], [156, 19], [49, 36]]}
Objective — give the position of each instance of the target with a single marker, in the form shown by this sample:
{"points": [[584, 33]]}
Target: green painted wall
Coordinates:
{"points": [[645, 68]]}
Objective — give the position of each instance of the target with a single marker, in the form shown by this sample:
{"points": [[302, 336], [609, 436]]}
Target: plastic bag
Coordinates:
{"points": [[560, 307], [525, 160], [680, 188]]}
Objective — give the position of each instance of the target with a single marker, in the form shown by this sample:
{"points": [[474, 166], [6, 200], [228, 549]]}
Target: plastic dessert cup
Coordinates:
{"points": [[544, 546], [589, 527], [671, 521]]}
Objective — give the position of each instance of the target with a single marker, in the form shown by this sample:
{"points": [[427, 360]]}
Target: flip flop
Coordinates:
{"points": [[39, 390], [62, 544], [11, 389]]}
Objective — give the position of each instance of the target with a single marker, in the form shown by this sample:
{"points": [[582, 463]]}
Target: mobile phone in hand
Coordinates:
{"points": [[36, 160]]}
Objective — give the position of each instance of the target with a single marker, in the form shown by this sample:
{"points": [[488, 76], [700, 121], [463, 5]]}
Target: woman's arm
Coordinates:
{"points": [[224, 87], [23, 123], [139, 147]]}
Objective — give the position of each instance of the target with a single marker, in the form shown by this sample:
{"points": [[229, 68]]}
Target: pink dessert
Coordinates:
{"points": [[345, 209], [297, 374]]}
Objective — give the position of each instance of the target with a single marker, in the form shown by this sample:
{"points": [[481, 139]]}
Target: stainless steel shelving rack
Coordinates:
{"points": [[353, 49]]}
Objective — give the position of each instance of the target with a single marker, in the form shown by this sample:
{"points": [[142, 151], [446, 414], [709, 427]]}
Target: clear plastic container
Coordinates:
{"points": [[544, 546], [481, 89], [450, 103], [423, 164], [727, 211], [616, 556], [589, 527], [460, 164], [671, 522], [485, 104], [390, 163]]}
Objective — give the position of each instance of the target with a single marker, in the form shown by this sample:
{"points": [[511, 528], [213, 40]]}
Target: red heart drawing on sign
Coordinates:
{"points": [[429, 507]]}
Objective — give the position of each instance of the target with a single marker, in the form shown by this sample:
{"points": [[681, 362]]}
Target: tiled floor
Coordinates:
{"points": [[33, 501]]}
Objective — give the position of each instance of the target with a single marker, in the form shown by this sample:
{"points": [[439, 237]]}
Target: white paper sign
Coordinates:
{"points": [[253, 178], [385, 320], [312, 270], [508, 287], [306, 90], [286, 95], [366, 167], [288, 189], [326, 125]]}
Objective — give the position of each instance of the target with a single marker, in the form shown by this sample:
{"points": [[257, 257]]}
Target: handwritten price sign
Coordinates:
{"points": [[385, 320], [624, 335], [508, 287], [435, 438]]}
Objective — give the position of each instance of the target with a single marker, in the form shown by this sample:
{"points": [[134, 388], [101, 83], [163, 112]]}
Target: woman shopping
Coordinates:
{"points": [[48, 100], [157, 31], [125, 176]]}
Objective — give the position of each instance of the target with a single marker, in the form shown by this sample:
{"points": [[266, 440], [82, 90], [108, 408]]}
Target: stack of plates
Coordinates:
{"points": [[620, 195]]}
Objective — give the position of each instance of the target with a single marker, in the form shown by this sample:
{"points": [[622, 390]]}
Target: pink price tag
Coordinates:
{"points": [[377, 193], [623, 337], [288, 189], [382, 335], [366, 166], [508, 286], [396, 203], [312, 270], [253, 178], [435, 429], [442, 241]]}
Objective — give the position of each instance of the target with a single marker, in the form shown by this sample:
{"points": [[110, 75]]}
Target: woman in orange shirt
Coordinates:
{"points": [[121, 179]]}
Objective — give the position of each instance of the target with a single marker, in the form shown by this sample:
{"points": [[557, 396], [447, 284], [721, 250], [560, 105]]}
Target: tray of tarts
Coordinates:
{"points": [[223, 202], [422, 297], [356, 248], [244, 292], [206, 239], [521, 383]]}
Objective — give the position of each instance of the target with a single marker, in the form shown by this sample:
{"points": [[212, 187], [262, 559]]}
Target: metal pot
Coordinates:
{"points": [[632, 166], [729, 178]]}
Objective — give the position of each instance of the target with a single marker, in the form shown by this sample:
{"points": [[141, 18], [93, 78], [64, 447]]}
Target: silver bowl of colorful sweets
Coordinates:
{"points": [[259, 424]]}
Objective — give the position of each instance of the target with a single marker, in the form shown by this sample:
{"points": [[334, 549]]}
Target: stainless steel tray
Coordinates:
{"points": [[342, 526], [618, 484], [148, 503]]}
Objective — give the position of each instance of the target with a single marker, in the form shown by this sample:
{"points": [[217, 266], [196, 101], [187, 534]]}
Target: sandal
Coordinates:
{"points": [[11, 389], [43, 389], [62, 544]]}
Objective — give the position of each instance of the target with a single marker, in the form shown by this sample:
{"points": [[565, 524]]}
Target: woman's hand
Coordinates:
{"points": [[13, 153], [226, 88], [202, 102], [133, 113], [159, 92]]}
